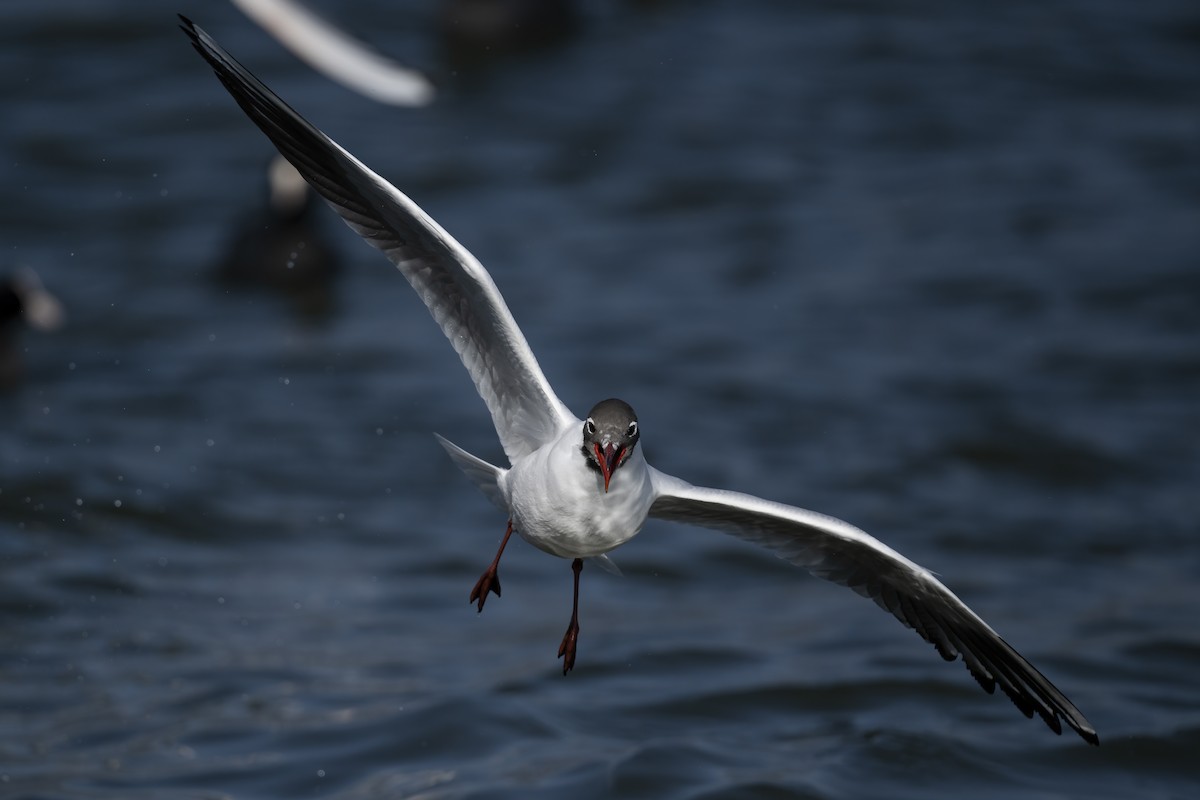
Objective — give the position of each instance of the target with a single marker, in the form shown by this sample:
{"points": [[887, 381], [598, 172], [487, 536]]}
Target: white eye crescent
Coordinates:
{"points": [[589, 427], [632, 430]]}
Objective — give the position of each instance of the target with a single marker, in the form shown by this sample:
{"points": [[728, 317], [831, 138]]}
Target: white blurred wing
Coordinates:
{"points": [[458, 291], [837, 551], [342, 58]]}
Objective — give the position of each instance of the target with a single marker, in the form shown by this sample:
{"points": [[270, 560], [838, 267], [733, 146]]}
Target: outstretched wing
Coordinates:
{"points": [[458, 291], [839, 552]]}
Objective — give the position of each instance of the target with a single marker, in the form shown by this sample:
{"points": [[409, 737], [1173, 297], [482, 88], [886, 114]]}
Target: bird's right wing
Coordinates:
{"points": [[458, 291], [837, 551]]}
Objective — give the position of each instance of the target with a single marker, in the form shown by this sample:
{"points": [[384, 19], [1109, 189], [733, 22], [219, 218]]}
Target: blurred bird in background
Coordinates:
{"points": [[282, 247], [23, 300]]}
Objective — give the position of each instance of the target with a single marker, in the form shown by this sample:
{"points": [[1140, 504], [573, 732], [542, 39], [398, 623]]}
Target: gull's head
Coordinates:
{"points": [[610, 433]]}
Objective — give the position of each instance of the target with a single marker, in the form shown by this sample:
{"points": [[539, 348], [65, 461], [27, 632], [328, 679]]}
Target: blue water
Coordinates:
{"points": [[931, 268]]}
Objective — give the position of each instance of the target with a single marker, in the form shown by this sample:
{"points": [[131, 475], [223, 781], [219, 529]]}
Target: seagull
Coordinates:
{"points": [[576, 488]]}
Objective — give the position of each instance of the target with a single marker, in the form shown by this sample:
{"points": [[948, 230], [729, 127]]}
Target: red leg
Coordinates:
{"points": [[490, 580], [566, 650]]}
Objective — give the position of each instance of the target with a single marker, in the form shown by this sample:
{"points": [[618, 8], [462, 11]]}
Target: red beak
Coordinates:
{"points": [[609, 459]]}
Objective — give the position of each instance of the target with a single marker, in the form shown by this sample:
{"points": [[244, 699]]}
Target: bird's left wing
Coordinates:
{"points": [[837, 551]]}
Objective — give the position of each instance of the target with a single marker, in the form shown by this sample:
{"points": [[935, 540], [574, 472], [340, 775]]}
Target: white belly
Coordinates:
{"points": [[559, 505]]}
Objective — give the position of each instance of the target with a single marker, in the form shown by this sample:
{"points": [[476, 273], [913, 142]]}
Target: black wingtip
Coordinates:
{"points": [[187, 26], [193, 32]]}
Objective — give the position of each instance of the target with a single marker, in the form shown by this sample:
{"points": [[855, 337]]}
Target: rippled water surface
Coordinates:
{"points": [[932, 269]]}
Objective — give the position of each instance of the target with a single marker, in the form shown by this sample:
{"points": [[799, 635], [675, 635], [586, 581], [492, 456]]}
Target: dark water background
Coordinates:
{"points": [[930, 267]]}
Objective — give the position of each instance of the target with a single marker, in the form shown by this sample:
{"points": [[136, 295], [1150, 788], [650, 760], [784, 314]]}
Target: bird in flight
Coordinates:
{"points": [[580, 488]]}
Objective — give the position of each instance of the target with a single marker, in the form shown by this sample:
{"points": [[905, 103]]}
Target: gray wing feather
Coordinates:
{"points": [[458, 291], [837, 551]]}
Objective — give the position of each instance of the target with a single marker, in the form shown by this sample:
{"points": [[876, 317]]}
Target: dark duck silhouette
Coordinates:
{"points": [[23, 301], [282, 248]]}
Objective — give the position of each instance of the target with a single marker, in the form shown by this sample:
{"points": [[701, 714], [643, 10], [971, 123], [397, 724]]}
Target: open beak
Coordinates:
{"points": [[608, 458]]}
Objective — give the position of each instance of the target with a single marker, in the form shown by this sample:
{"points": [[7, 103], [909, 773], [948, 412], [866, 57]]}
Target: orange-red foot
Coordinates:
{"points": [[566, 650], [489, 581]]}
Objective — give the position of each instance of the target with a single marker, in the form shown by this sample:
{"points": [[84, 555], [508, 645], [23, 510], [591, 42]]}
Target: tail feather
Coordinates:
{"points": [[484, 475]]}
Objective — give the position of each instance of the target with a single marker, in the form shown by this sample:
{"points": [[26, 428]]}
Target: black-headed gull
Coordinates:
{"points": [[579, 488]]}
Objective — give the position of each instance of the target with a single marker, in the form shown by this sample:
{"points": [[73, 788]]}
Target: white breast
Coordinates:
{"points": [[559, 505]]}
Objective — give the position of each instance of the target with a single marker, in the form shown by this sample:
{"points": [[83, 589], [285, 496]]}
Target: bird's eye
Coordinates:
{"points": [[589, 427], [632, 430]]}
